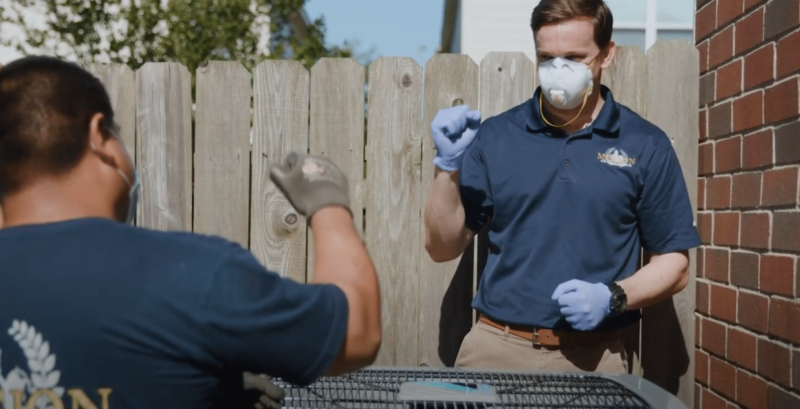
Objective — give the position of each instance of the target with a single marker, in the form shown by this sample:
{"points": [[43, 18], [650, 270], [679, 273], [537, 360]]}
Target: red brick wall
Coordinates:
{"points": [[748, 314]]}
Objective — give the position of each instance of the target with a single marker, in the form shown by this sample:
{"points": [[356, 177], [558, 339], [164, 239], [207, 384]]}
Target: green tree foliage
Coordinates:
{"points": [[135, 32]]}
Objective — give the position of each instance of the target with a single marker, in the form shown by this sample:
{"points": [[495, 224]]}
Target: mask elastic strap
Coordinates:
{"points": [[119, 171], [125, 178]]}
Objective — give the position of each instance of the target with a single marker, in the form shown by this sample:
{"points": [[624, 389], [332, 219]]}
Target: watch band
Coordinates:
{"points": [[618, 301]]}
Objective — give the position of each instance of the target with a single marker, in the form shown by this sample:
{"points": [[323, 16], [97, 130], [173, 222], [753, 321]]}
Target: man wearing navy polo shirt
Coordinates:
{"points": [[97, 313], [569, 185]]}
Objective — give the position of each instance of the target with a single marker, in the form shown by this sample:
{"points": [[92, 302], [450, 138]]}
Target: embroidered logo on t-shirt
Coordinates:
{"points": [[616, 157], [38, 387]]}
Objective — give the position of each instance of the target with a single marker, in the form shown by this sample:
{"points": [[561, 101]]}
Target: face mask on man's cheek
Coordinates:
{"points": [[565, 83]]}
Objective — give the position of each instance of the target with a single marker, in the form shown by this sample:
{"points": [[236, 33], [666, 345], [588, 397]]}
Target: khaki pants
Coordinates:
{"points": [[486, 347]]}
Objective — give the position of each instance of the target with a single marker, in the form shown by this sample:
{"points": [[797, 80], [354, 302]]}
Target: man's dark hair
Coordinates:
{"points": [[557, 11], [46, 106]]}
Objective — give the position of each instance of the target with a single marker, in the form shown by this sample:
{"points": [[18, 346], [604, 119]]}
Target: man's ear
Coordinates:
{"points": [[101, 142], [611, 52]]}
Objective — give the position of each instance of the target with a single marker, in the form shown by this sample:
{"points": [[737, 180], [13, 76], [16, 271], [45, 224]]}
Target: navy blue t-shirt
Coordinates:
{"points": [[562, 207], [92, 308]]}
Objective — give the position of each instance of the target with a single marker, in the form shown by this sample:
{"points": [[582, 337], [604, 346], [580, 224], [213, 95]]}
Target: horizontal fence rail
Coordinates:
{"points": [[205, 163]]}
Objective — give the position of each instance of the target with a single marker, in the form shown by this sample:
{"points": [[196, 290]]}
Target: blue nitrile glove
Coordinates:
{"points": [[453, 130], [584, 305]]}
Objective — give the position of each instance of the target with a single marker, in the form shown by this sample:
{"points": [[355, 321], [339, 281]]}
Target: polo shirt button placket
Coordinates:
{"points": [[566, 163]]}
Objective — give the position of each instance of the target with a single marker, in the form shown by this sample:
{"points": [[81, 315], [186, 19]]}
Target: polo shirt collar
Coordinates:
{"points": [[607, 121]]}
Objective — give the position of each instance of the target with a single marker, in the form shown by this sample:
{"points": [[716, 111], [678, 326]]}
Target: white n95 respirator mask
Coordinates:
{"points": [[565, 83]]}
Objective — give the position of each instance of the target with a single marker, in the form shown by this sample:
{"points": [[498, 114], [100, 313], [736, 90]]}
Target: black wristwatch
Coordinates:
{"points": [[618, 301]]}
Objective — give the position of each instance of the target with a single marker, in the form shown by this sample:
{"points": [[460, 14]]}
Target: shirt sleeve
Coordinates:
{"points": [[666, 217], [263, 323], [474, 187]]}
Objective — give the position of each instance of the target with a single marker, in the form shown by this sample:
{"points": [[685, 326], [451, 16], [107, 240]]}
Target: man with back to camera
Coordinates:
{"points": [[93, 310], [568, 185]]}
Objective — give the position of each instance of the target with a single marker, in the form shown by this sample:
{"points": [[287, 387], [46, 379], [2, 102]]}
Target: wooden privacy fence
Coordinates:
{"points": [[210, 174]]}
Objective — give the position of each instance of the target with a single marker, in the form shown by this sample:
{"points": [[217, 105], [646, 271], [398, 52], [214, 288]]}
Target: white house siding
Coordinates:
{"points": [[495, 25]]}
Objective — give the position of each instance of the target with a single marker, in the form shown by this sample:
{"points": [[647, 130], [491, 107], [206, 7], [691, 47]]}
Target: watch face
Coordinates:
{"points": [[618, 301], [615, 303]]}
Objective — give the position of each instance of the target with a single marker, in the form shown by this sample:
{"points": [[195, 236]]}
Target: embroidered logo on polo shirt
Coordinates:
{"points": [[616, 157]]}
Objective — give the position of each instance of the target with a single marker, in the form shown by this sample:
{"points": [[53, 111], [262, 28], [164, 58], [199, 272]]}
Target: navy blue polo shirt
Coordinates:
{"points": [[561, 207], [96, 311]]}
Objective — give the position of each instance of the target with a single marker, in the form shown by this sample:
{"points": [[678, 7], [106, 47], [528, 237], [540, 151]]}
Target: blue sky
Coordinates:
{"points": [[407, 28]]}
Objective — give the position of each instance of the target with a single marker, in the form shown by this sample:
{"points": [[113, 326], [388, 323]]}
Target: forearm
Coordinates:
{"points": [[445, 234], [664, 276], [341, 259]]}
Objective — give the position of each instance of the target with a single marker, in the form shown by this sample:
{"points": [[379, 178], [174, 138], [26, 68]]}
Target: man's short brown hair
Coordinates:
{"points": [[46, 107], [557, 11]]}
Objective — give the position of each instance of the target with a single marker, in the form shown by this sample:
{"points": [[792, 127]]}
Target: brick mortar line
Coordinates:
{"points": [[774, 59], [745, 92], [759, 169], [738, 19], [788, 78], [717, 30], [715, 103], [752, 374], [782, 297], [774, 81], [737, 402], [747, 210], [727, 285], [779, 167], [714, 246], [788, 120], [748, 131], [772, 253], [773, 210], [724, 399], [788, 208], [758, 336], [737, 325], [743, 54]]}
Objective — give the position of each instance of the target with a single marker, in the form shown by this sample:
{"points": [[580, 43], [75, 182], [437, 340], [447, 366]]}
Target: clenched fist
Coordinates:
{"points": [[453, 130], [311, 183]]}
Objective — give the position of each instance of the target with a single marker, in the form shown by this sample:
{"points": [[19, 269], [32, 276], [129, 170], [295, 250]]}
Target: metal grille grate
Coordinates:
{"points": [[378, 388]]}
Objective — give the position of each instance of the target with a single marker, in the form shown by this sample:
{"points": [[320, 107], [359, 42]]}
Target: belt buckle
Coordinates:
{"points": [[535, 337]]}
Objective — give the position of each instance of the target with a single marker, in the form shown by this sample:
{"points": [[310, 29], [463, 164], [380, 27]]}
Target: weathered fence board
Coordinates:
{"points": [[507, 80], [280, 126], [394, 150], [626, 77], [164, 146], [337, 125], [222, 151], [446, 288], [668, 328], [120, 83]]}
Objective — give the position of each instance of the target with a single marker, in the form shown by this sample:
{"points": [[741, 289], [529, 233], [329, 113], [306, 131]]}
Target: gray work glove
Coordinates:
{"points": [[270, 395], [311, 183]]}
